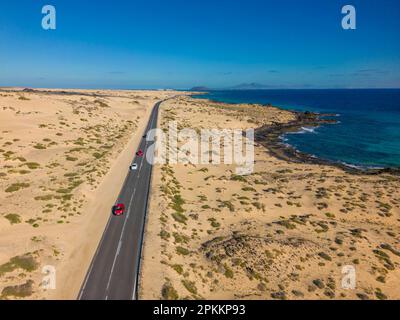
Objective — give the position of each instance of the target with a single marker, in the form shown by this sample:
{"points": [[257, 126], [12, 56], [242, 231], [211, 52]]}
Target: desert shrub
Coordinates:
{"points": [[235, 177], [164, 235], [214, 223], [39, 146], [287, 224], [190, 286], [227, 204], [19, 291], [168, 292], [13, 218], [17, 186], [380, 295], [178, 268], [228, 272], [26, 262], [325, 256], [98, 155], [180, 238], [46, 197], [63, 190], [182, 251], [32, 165], [179, 217], [177, 203], [249, 189]]}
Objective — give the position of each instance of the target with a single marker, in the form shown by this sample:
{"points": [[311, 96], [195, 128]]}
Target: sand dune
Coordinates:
{"points": [[64, 155], [284, 232]]}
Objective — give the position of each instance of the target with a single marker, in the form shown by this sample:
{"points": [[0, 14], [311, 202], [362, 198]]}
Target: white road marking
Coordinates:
{"points": [[120, 239], [119, 247], [94, 258], [134, 289]]}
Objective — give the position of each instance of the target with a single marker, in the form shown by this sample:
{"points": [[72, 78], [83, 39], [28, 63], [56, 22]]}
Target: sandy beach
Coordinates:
{"points": [[64, 156], [289, 230]]}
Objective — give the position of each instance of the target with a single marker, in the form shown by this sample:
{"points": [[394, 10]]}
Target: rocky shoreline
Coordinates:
{"points": [[269, 136]]}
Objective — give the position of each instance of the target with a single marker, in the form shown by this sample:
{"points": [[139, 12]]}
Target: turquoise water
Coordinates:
{"points": [[367, 133]]}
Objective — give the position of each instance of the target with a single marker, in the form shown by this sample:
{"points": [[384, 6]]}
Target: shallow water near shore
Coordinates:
{"points": [[367, 133]]}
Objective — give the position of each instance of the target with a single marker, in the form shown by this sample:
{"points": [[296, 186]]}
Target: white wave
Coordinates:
{"points": [[304, 130], [308, 129], [362, 167]]}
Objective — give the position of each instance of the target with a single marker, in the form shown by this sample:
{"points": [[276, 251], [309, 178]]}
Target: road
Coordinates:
{"points": [[114, 270]]}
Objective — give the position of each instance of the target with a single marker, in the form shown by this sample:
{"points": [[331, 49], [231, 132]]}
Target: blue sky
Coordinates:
{"points": [[185, 43]]}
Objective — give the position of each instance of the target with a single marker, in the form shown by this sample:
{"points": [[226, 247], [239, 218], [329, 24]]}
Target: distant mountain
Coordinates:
{"points": [[243, 86], [250, 86], [199, 89]]}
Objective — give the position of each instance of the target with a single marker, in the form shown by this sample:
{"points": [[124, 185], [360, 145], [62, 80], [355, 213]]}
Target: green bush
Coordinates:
{"points": [[190, 286], [19, 291], [182, 251], [168, 292], [26, 262], [13, 218], [32, 165], [17, 186]]}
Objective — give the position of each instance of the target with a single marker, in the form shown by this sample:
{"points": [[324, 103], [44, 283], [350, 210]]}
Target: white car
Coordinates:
{"points": [[133, 167]]}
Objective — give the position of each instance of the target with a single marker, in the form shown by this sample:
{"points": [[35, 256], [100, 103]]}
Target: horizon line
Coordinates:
{"points": [[191, 88]]}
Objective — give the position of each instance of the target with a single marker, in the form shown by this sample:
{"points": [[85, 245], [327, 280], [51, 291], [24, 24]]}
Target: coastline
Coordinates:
{"points": [[270, 137]]}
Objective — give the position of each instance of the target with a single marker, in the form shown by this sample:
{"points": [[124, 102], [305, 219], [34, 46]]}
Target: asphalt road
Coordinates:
{"points": [[113, 273]]}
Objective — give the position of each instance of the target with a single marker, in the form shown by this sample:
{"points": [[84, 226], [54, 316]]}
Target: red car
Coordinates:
{"points": [[139, 153], [118, 210]]}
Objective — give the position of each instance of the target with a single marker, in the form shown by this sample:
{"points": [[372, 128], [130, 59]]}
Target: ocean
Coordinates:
{"points": [[367, 133]]}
